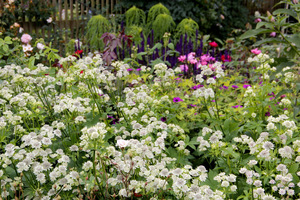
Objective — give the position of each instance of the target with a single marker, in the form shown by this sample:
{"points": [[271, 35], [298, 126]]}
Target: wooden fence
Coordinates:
{"points": [[69, 18]]}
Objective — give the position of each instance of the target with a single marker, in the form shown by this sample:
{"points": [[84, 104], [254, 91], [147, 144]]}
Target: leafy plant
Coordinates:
{"points": [[187, 26], [135, 16], [163, 23], [111, 42], [155, 11], [96, 27]]}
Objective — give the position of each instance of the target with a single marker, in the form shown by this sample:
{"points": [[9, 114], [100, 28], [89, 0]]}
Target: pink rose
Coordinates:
{"points": [[26, 38], [256, 51]]}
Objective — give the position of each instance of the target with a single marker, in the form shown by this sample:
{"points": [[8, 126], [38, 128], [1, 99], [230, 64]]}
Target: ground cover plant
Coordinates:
{"points": [[80, 127]]}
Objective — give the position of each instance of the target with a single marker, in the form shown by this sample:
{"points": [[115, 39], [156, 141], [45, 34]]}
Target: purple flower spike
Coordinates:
{"points": [[138, 69], [129, 69], [177, 99], [225, 87], [235, 86]]}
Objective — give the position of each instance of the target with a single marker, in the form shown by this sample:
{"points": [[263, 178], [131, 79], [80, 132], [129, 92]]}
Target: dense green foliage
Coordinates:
{"points": [[206, 13], [135, 16], [162, 23], [187, 26], [96, 26]]}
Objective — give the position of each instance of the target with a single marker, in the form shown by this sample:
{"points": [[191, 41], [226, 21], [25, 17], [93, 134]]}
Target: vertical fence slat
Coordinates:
{"points": [[102, 5], [92, 4], [111, 6], [107, 7], [82, 16], [71, 19], [97, 5], [77, 18], [66, 28], [60, 24]]}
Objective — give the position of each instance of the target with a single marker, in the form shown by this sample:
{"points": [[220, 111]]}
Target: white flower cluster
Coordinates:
{"points": [[94, 133]]}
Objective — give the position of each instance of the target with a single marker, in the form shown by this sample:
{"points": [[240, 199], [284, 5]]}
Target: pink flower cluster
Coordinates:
{"points": [[191, 59]]}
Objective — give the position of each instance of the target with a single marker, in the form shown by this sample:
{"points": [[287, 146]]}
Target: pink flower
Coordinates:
{"points": [[191, 58], [184, 68], [213, 44], [257, 20], [256, 51], [273, 34], [26, 38], [182, 58], [295, 1]]}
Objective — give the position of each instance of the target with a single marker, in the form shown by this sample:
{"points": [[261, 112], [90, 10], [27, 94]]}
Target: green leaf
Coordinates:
{"points": [[283, 92], [171, 46], [294, 168], [156, 46], [266, 24], [294, 39], [285, 11], [254, 32], [269, 40], [297, 87]]}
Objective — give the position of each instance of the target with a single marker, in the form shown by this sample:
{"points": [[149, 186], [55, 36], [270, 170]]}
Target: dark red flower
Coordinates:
{"points": [[81, 72], [137, 195], [226, 58]]}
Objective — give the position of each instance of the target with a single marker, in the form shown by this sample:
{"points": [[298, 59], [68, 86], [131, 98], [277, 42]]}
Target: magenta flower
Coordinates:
{"points": [[138, 69], [225, 87], [235, 86], [256, 51], [237, 106], [246, 86], [182, 58], [129, 69], [177, 99]]}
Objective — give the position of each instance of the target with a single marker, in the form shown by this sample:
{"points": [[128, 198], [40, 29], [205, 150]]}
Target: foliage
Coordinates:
{"points": [[96, 27], [217, 18], [187, 26], [155, 11], [163, 23], [111, 42], [14, 11], [135, 16]]}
